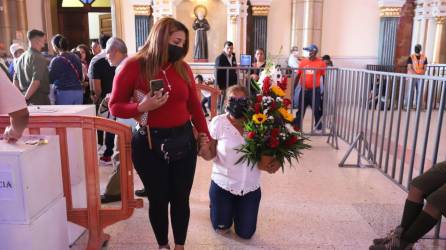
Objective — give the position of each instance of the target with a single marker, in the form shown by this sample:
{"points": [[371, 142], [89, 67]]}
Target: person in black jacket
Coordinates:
{"points": [[226, 59], [225, 77]]}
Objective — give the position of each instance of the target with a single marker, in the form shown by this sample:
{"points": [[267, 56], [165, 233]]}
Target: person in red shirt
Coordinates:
{"points": [[164, 150], [309, 84]]}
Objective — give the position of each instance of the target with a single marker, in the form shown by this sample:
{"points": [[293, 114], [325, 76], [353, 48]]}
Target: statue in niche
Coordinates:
{"points": [[201, 26]]}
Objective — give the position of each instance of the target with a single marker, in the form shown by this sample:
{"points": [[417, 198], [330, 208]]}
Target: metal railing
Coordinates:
{"points": [[431, 69], [436, 70], [376, 117], [393, 121], [322, 122]]}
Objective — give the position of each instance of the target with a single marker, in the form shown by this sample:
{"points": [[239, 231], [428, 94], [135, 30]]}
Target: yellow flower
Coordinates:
{"points": [[259, 118], [277, 91], [286, 115]]}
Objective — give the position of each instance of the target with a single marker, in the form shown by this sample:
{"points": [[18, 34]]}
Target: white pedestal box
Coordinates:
{"points": [[75, 153], [32, 206], [47, 231], [30, 179]]}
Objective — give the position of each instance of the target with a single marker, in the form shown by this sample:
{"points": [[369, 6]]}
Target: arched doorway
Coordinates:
{"points": [[83, 20]]}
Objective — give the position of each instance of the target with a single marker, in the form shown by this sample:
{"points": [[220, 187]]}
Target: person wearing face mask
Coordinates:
{"points": [[164, 149], [308, 83], [16, 51], [235, 188], [32, 77], [416, 65]]}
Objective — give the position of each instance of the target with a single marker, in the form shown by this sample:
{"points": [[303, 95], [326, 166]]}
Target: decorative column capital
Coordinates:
{"points": [[389, 11], [440, 20], [143, 10], [260, 10], [163, 8]]}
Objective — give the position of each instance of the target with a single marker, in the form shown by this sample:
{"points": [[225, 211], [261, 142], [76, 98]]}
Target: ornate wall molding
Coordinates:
{"points": [[142, 10], [260, 10], [440, 20], [163, 8], [389, 11], [390, 3]]}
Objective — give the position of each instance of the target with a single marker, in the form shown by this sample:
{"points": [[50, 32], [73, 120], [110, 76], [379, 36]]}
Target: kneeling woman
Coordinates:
{"points": [[235, 188]]}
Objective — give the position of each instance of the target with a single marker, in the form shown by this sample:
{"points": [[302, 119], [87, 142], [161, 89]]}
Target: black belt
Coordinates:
{"points": [[167, 132]]}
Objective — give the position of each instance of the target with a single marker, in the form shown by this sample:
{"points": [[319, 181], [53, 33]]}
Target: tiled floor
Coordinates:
{"points": [[313, 205]]}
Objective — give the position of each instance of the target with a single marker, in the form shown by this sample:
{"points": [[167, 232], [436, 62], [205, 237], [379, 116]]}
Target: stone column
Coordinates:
{"points": [[440, 40], [306, 22], [22, 21], [116, 13], [5, 26], [404, 34], [297, 22], [236, 25], [428, 47]]}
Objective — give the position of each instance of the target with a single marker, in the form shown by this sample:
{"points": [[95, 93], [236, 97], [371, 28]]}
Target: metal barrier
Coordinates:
{"points": [[323, 124], [375, 116], [436, 70], [93, 217]]}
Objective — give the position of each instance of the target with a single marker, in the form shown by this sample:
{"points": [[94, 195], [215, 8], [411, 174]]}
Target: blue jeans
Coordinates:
{"points": [[227, 208], [69, 97]]}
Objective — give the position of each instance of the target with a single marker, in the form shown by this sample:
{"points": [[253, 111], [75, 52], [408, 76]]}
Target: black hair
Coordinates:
{"points": [[95, 41], [35, 33], [103, 40], [326, 57], [199, 77], [60, 42], [228, 43]]}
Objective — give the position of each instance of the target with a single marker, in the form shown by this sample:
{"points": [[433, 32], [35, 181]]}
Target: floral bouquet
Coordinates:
{"points": [[269, 134]]}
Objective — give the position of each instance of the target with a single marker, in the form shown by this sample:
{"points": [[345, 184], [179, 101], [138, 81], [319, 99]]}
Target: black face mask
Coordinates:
{"points": [[237, 107], [174, 53], [417, 50]]}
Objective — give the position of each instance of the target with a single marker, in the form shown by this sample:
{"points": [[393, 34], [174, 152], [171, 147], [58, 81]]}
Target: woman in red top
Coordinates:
{"points": [[165, 161]]}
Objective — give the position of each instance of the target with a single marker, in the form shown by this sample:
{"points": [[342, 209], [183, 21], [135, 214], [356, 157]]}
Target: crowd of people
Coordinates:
{"points": [[165, 148]]}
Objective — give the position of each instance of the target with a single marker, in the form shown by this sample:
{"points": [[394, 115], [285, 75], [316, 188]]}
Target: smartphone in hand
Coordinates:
{"points": [[156, 85]]}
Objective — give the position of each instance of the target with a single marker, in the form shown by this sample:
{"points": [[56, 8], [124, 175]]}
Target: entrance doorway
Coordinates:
{"points": [[82, 21]]}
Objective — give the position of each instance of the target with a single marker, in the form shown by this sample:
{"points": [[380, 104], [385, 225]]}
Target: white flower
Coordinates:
{"points": [[279, 99], [289, 127], [265, 111], [270, 118]]}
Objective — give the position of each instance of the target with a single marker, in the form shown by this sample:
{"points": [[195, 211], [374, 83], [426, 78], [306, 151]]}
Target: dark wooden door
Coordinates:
{"points": [[74, 26]]}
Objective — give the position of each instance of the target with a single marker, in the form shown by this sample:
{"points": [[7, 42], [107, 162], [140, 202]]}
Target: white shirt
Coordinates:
{"points": [[11, 99], [238, 179], [229, 57], [293, 62], [206, 93]]}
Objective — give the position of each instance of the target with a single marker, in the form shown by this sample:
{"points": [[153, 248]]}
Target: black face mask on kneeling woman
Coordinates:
{"points": [[174, 53], [237, 107]]}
